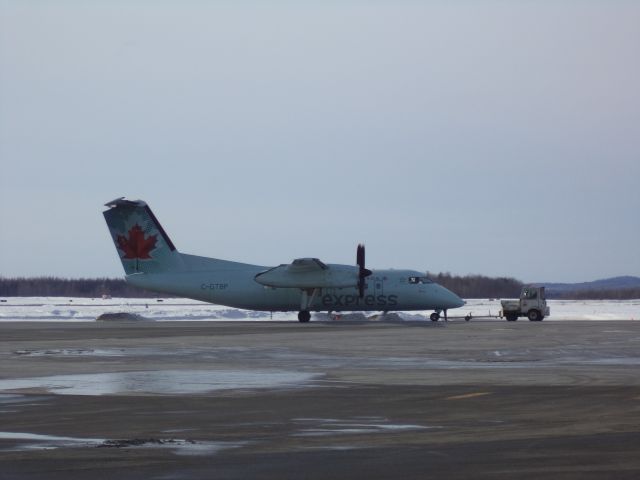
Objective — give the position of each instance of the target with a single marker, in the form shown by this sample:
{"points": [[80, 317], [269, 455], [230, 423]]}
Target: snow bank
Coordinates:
{"points": [[88, 309]]}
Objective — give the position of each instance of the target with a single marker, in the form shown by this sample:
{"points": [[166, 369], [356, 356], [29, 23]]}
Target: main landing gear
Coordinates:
{"points": [[435, 316], [306, 301]]}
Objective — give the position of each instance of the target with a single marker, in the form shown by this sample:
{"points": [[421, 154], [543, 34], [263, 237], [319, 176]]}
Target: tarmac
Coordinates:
{"points": [[278, 400]]}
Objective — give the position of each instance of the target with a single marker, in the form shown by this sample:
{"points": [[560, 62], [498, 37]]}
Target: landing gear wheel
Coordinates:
{"points": [[435, 316], [511, 317], [304, 316], [534, 315]]}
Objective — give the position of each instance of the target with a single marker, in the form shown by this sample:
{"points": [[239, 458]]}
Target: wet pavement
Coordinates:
{"points": [[323, 400]]}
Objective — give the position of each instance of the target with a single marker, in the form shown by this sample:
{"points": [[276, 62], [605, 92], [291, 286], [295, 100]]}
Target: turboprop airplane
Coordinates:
{"points": [[151, 261]]}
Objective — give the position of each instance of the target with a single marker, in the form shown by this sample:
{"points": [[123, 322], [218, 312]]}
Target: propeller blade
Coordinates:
{"points": [[362, 272], [360, 256]]}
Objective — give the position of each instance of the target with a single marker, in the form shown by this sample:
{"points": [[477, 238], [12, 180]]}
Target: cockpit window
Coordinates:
{"points": [[417, 280]]}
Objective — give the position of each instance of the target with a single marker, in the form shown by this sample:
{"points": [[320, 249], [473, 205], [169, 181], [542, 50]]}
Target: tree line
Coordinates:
{"points": [[469, 286], [479, 286], [71, 287]]}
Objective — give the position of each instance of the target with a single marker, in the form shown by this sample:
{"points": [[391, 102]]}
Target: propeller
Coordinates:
{"points": [[362, 272]]}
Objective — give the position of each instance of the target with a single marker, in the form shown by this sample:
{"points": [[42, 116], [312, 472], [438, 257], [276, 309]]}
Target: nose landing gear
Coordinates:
{"points": [[435, 316], [304, 316]]}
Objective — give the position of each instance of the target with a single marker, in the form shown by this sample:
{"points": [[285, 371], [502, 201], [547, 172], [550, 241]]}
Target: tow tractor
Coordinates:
{"points": [[531, 304]]}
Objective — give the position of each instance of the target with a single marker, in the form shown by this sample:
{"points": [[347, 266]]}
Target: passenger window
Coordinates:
{"points": [[414, 280]]}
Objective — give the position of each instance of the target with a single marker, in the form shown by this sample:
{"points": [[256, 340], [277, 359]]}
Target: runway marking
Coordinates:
{"points": [[468, 395]]}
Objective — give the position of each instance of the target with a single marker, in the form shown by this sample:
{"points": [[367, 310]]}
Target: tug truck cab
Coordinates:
{"points": [[532, 304]]}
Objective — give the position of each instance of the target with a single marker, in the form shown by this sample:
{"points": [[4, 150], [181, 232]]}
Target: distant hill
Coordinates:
{"points": [[614, 283], [604, 288]]}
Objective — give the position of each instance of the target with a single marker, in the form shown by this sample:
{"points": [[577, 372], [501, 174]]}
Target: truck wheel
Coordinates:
{"points": [[512, 317], [534, 315]]}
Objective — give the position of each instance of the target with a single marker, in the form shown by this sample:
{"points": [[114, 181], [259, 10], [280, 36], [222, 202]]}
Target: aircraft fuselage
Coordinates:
{"points": [[386, 290]]}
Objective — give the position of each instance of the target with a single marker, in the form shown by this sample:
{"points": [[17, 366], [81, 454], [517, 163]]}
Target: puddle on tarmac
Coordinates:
{"points": [[34, 441], [615, 361], [73, 352], [13, 403], [205, 448], [10, 398], [503, 360], [317, 427], [167, 382]]}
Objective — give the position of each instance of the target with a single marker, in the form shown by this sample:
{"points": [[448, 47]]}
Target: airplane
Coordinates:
{"points": [[151, 261]]}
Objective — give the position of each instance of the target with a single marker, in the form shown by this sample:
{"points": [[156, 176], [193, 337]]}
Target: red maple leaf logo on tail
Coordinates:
{"points": [[136, 246]]}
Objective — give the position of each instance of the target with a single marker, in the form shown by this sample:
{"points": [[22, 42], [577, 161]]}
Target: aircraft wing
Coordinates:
{"points": [[309, 273]]}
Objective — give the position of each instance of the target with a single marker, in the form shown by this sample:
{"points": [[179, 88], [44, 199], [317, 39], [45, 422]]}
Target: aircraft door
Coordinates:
{"points": [[529, 299]]}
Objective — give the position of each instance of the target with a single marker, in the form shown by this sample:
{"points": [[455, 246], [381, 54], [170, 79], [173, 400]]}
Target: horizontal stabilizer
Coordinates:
{"points": [[122, 202]]}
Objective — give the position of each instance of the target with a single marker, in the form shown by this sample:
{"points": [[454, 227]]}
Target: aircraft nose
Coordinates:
{"points": [[450, 299]]}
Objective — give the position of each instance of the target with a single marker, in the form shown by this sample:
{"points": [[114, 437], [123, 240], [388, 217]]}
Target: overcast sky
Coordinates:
{"points": [[491, 137]]}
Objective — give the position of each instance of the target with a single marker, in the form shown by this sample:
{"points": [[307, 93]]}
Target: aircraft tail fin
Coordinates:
{"points": [[140, 240]]}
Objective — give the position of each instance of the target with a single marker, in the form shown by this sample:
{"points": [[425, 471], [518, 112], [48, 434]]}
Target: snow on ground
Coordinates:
{"points": [[566, 309], [88, 309]]}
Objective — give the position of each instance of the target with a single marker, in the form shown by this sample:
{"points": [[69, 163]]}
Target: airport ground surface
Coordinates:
{"points": [[278, 400]]}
